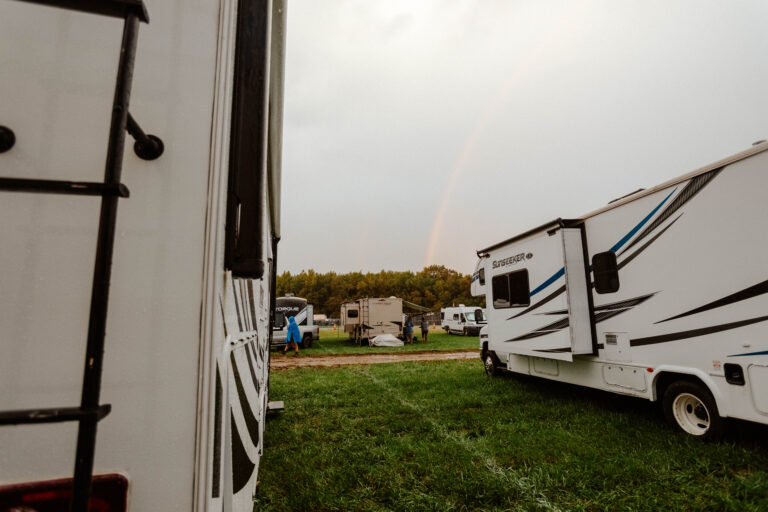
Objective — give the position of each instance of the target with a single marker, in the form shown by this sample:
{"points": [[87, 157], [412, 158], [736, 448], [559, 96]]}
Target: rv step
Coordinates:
{"points": [[276, 406], [81, 188], [52, 415]]}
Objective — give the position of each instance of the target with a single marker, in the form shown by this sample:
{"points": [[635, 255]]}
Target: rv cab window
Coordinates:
{"points": [[352, 313], [606, 272], [462, 318], [511, 290]]}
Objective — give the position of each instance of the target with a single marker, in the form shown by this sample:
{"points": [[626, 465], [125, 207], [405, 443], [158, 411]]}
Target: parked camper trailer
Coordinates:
{"points": [[174, 374], [302, 313], [366, 318], [661, 295], [461, 319]]}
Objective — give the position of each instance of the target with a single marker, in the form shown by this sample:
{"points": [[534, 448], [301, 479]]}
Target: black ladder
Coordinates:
{"points": [[148, 147]]}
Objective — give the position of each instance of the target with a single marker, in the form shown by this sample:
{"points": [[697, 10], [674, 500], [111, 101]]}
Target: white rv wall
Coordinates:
{"points": [[57, 85]]}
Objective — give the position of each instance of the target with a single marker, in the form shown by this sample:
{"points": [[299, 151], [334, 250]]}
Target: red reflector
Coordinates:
{"points": [[109, 493], [649, 370]]}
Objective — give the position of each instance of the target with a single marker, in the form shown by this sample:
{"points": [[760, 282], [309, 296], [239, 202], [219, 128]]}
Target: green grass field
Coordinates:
{"points": [[441, 436], [335, 342]]}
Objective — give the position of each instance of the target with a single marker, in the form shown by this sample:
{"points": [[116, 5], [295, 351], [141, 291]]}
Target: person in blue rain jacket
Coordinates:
{"points": [[293, 336]]}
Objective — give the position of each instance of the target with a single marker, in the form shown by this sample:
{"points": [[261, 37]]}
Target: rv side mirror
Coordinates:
{"points": [[606, 272]]}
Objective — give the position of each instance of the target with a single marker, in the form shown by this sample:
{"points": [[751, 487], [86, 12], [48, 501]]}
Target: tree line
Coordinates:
{"points": [[433, 287]]}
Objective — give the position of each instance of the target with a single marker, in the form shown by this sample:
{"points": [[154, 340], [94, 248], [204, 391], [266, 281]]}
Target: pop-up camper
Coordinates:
{"points": [[162, 396], [366, 318], [662, 294]]}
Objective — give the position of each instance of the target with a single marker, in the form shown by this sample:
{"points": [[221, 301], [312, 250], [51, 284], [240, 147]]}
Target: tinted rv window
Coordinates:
{"points": [[511, 290], [455, 316], [606, 272], [352, 313], [482, 277]]}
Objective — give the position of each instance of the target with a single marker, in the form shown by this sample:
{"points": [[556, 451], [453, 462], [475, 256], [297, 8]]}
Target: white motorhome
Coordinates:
{"points": [[302, 312], [461, 319], [661, 295], [158, 403], [366, 318]]}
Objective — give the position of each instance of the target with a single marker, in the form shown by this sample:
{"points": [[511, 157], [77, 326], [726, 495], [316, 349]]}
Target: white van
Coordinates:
{"points": [[464, 320]]}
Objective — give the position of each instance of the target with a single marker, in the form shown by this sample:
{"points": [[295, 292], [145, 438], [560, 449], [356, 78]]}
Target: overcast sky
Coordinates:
{"points": [[417, 132]]}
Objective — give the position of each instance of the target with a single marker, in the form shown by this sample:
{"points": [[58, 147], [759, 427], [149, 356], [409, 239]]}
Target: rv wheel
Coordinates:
{"points": [[490, 365], [306, 342], [692, 408]]}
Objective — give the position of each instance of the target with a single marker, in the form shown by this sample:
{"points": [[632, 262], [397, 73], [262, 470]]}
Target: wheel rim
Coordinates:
{"points": [[691, 414], [488, 364]]}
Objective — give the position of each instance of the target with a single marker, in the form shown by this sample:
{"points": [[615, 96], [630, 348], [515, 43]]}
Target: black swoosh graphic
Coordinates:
{"points": [[562, 324], [652, 340], [242, 467], [649, 242], [250, 420], [747, 293], [623, 304], [694, 187]]}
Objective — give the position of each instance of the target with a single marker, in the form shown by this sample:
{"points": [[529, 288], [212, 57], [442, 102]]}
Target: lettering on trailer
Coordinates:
{"points": [[287, 308], [512, 260]]}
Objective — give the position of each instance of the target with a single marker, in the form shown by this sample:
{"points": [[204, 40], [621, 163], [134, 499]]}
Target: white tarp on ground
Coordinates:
{"points": [[385, 340]]}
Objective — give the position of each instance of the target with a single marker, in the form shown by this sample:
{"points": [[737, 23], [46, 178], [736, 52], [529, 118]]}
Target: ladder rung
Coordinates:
{"points": [[52, 415], [82, 188], [114, 8]]}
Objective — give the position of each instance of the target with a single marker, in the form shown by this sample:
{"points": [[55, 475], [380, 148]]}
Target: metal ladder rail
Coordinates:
{"points": [[148, 147]]}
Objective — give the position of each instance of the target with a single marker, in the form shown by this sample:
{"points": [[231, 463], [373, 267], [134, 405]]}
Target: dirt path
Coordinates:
{"points": [[281, 362]]}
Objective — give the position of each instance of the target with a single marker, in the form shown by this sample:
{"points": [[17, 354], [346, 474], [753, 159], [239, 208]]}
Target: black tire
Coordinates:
{"points": [[489, 362], [690, 407], [306, 341], [464, 332]]}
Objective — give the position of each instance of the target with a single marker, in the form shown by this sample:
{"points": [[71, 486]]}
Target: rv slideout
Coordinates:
{"points": [[661, 295], [364, 319], [162, 397]]}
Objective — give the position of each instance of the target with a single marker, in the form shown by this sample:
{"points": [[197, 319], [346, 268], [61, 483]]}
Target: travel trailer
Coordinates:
{"points": [[303, 313], [159, 402], [660, 295], [364, 319], [461, 319]]}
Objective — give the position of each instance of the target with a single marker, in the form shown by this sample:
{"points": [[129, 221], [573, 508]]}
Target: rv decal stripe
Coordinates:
{"points": [[250, 420], [694, 333], [252, 304], [553, 350], [237, 305], [646, 244], [223, 317], [761, 353], [640, 224], [250, 366], [540, 303], [564, 323], [747, 293], [557, 275], [624, 304], [242, 466], [694, 187], [216, 480]]}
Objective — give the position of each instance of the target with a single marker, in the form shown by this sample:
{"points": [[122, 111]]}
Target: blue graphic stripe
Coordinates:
{"points": [[560, 273], [634, 230], [762, 353]]}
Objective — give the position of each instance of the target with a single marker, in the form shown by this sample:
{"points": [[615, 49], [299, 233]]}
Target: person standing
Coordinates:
{"points": [[292, 336], [424, 328], [408, 330]]}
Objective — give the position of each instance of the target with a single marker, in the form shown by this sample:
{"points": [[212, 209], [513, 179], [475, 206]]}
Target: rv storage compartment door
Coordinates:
{"points": [[578, 292]]}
